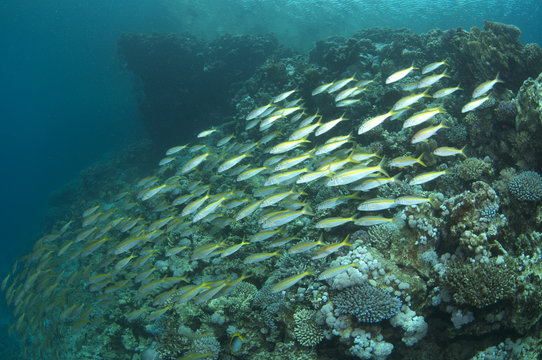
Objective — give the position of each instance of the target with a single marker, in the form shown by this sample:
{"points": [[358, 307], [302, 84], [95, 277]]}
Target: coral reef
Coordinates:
{"points": [[526, 186], [184, 77], [202, 259], [494, 50], [367, 303], [306, 331], [480, 285], [529, 105]]}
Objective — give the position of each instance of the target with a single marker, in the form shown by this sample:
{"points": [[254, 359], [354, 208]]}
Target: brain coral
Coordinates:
{"points": [[369, 304], [526, 186]]}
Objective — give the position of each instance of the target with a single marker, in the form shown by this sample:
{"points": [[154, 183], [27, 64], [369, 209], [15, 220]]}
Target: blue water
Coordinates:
{"points": [[66, 100]]}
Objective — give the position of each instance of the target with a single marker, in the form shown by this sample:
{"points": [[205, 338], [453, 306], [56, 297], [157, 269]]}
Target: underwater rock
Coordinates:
{"points": [[529, 105], [474, 221], [187, 82], [496, 49]]}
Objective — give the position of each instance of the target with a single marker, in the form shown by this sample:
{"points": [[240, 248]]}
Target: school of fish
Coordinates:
{"points": [[206, 189]]}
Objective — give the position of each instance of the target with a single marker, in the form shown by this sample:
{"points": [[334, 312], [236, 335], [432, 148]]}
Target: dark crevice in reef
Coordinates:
{"points": [[187, 83]]}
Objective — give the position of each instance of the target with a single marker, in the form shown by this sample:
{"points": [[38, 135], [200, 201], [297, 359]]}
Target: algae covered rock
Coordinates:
{"points": [[496, 49], [529, 104]]}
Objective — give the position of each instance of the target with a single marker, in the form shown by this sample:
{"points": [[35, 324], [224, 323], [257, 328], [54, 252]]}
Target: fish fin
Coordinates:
{"points": [[419, 160]]}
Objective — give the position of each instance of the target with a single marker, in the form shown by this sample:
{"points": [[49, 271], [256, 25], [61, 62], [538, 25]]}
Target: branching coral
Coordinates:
{"points": [[367, 303], [480, 284]]}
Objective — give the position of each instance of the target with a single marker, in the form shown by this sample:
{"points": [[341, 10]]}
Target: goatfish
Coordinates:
{"points": [[174, 251], [332, 222], [372, 220], [193, 163], [275, 198], [328, 126], [445, 92], [426, 133], [399, 75], [347, 93], [376, 204], [423, 116], [338, 85], [411, 86], [334, 202], [152, 192], [205, 250], [330, 249], [228, 164], [281, 241], [279, 178], [269, 137], [374, 122], [374, 183], [285, 218], [474, 104], [248, 210], [287, 146], [430, 80], [258, 112], [449, 151], [354, 174], [134, 315], [232, 249], [305, 246], [255, 258], [269, 121], [406, 101], [247, 174], [288, 163], [235, 203], [311, 176], [403, 161], [287, 110], [334, 271], [290, 281], [282, 96], [322, 88], [304, 131], [309, 119], [347, 102], [195, 205], [433, 66], [206, 133], [264, 235], [412, 200], [485, 87], [236, 342], [209, 208], [330, 146], [90, 211], [210, 293], [426, 177], [175, 149], [224, 140]]}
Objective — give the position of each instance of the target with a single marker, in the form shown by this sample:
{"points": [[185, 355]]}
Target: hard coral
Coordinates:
{"points": [[480, 284], [527, 186], [367, 303], [306, 331]]}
